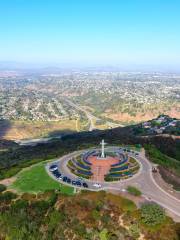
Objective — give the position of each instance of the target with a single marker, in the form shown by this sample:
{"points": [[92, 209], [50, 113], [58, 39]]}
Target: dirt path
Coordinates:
{"points": [[121, 223], [8, 181]]}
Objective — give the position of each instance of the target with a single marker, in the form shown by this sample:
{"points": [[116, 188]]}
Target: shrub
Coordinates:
{"points": [[80, 229], [103, 234], [2, 188], [152, 214], [7, 196], [99, 205], [105, 218], [54, 218], [95, 215], [19, 205], [134, 191], [134, 231]]}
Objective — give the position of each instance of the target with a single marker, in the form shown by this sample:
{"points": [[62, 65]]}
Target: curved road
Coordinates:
{"points": [[142, 180], [90, 116]]}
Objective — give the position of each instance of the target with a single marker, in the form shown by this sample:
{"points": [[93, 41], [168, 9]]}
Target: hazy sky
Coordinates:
{"points": [[91, 31]]}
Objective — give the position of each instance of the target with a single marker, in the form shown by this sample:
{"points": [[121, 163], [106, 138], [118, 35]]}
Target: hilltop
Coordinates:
{"points": [[161, 149], [88, 215]]}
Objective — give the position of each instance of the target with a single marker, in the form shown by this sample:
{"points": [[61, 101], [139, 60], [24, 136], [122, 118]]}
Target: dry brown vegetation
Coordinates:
{"points": [[140, 117], [17, 130]]}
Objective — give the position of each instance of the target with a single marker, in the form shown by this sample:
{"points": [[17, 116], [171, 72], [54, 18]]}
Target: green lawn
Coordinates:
{"points": [[35, 179]]}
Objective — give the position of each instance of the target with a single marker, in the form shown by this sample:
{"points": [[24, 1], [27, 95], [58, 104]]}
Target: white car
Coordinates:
{"points": [[52, 169], [97, 185]]}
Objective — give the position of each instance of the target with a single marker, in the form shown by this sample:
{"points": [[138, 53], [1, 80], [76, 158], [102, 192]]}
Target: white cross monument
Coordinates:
{"points": [[102, 151]]}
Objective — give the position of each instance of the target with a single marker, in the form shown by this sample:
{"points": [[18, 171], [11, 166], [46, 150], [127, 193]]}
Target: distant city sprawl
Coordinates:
{"points": [[121, 98]]}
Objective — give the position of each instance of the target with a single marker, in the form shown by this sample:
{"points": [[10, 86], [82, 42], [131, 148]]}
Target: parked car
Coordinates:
{"points": [[53, 168], [85, 185], [55, 172], [68, 180], [58, 175], [64, 179], [97, 185], [78, 183], [73, 182], [80, 179]]}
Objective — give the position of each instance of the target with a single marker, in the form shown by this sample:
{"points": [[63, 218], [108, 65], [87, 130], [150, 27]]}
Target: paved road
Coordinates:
{"points": [[91, 117], [143, 180]]}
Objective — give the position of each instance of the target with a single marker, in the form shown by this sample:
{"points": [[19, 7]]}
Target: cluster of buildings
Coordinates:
{"points": [[161, 124]]}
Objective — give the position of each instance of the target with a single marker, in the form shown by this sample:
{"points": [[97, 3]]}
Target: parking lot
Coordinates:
{"points": [[60, 172], [58, 175]]}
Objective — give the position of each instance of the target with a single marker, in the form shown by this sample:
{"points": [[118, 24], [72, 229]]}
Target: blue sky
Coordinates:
{"points": [[90, 31]]}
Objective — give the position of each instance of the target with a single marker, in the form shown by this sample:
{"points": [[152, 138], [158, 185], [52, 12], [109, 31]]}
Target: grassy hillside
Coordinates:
{"points": [[159, 158], [169, 168], [35, 179]]}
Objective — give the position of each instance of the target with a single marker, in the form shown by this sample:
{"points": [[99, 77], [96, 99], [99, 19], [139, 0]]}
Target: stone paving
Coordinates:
{"points": [[101, 167]]}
